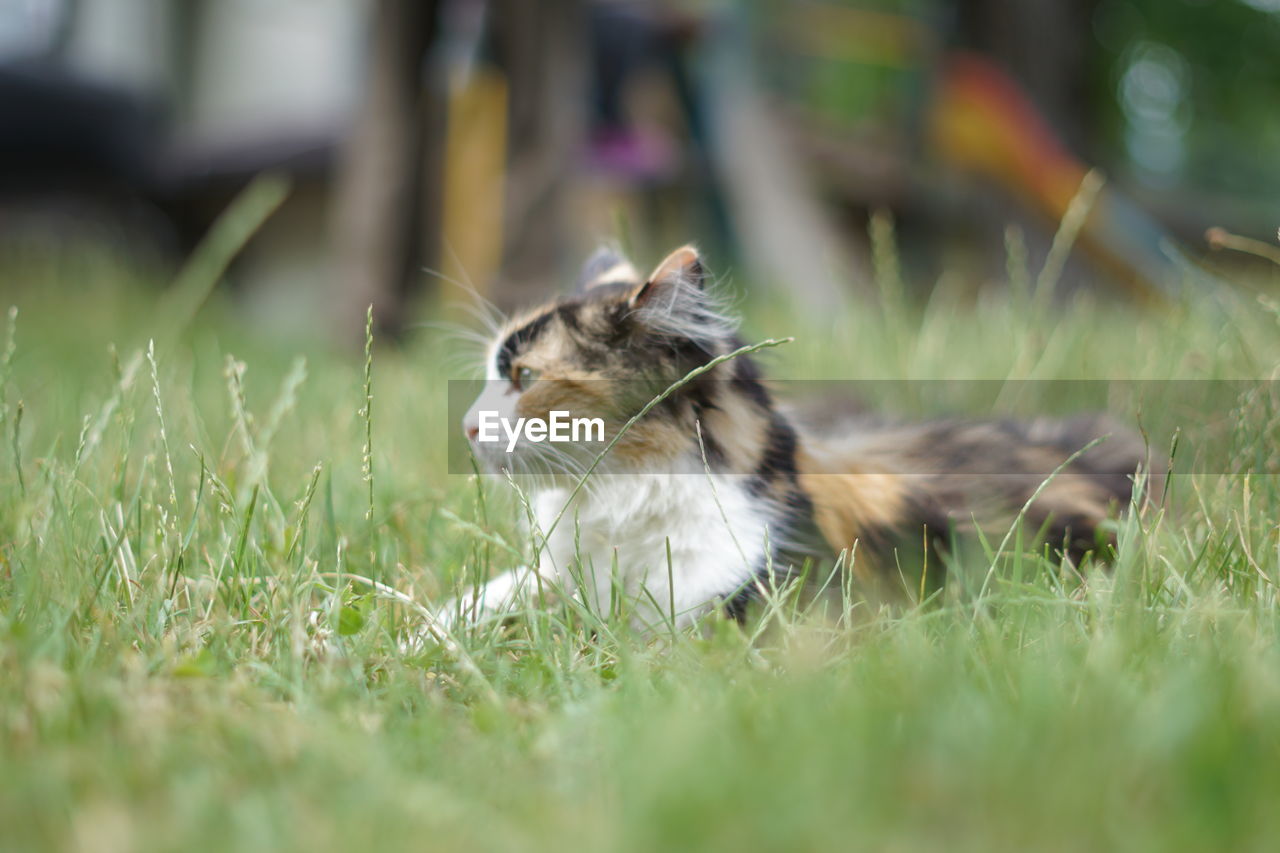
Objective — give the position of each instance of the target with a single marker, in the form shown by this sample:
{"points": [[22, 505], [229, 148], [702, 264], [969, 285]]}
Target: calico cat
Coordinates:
{"points": [[716, 488]]}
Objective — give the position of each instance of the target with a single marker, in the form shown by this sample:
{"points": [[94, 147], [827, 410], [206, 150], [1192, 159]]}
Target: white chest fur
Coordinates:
{"points": [[612, 543], [617, 538]]}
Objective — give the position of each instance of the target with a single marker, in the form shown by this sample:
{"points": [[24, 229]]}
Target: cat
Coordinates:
{"points": [[717, 491]]}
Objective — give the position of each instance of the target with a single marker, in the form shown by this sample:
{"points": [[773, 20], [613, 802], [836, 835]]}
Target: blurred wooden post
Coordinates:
{"points": [[542, 47], [474, 182], [387, 183]]}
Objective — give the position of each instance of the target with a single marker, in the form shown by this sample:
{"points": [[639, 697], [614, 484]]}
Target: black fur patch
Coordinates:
{"points": [[778, 458], [737, 602], [519, 339], [568, 314], [747, 382]]}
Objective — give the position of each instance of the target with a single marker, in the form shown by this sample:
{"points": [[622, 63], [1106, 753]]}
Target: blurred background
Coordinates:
{"points": [[493, 143]]}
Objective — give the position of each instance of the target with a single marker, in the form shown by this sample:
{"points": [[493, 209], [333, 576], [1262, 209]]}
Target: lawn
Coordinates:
{"points": [[192, 656]]}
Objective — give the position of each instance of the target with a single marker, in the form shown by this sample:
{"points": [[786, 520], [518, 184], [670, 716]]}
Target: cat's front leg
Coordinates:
{"points": [[500, 595]]}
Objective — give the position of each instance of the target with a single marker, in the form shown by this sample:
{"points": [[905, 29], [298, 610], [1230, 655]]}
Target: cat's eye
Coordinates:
{"points": [[523, 377]]}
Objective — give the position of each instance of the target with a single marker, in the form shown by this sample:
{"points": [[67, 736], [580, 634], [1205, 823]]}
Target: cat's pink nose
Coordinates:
{"points": [[472, 431]]}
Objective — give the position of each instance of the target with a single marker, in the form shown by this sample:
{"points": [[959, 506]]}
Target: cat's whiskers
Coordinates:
{"points": [[478, 306]]}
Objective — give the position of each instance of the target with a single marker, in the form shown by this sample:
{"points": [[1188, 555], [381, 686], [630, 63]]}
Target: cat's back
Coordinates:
{"points": [[879, 483]]}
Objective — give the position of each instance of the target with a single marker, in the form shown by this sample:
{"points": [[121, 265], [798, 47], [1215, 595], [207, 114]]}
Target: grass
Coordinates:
{"points": [[190, 660]]}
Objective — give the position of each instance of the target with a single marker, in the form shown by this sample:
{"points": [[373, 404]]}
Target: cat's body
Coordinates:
{"points": [[715, 488]]}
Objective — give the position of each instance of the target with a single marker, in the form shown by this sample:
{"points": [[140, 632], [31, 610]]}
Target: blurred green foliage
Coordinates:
{"points": [[1222, 59]]}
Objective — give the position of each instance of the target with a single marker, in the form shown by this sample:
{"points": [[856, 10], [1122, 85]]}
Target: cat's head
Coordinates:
{"points": [[603, 352]]}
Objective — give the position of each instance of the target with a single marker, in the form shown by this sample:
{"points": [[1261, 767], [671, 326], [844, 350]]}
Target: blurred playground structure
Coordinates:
{"points": [[492, 142]]}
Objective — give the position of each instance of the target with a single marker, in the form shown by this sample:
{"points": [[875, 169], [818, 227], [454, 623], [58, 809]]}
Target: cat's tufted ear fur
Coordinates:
{"points": [[680, 270], [676, 301], [606, 266]]}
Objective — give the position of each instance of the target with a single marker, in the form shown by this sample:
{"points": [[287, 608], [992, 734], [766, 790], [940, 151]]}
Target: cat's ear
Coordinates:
{"points": [[606, 266], [681, 270], [675, 302]]}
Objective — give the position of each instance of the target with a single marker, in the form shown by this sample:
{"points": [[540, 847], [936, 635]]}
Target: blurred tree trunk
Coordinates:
{"points": [[1045, 45], [543, 48], [387, 181], [186, 17]]}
